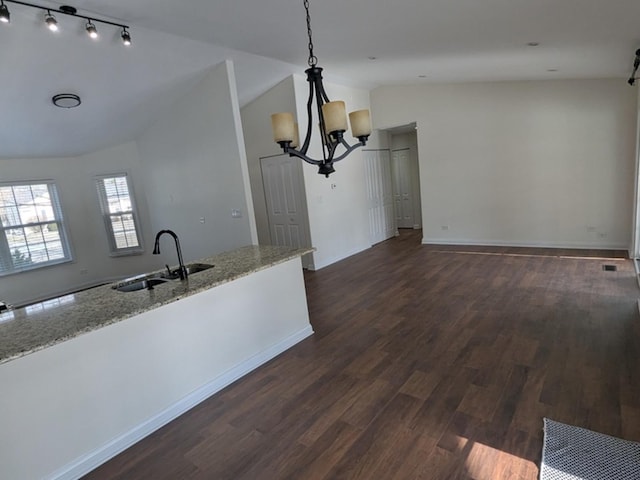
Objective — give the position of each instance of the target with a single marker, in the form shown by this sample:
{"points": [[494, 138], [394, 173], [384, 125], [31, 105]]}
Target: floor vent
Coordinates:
{"points": [[609, 268]]}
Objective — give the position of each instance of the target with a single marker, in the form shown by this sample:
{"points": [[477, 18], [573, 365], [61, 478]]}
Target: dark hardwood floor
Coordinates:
{"points": [[428, 362]]}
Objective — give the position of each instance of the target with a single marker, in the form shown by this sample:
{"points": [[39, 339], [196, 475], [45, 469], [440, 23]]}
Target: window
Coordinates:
{"points": [[32, 232], [119, 213]]}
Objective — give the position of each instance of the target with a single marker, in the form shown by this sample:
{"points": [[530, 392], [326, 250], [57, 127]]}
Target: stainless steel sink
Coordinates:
{"points": [[133, 285], [150, 280], [197, 267]]}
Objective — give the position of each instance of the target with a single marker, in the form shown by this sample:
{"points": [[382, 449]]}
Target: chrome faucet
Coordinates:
{"points": [[182, 271]]}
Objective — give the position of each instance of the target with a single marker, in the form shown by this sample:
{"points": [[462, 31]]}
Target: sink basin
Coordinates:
{"points": [[139, 284], [148, 281], [197, 267]]}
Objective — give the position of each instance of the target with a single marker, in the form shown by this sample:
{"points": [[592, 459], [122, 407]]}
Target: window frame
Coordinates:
{"points": [[8, 267], [103, 202]]}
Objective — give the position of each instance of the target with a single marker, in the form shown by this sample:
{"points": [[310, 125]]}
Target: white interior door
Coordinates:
{"points": [[284, 195], [390, 228], [379, 195], [403, 188]]}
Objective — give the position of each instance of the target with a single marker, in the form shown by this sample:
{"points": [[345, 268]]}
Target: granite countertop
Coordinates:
{"points": [[28, 329]]}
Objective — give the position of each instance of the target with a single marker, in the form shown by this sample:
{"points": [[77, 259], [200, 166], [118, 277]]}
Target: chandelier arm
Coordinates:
{"points": [[296, 153], [349, 149], [636, 64], [317, 81], [323, 94], [307, 138], [331, 149], [327, 152]]}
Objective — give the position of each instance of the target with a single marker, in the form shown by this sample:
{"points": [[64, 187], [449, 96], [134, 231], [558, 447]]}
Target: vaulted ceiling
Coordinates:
{"points": [[360, 42]]}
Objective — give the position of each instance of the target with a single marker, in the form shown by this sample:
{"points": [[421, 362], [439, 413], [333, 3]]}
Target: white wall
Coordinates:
{"points": [[546, 163], [74, 178], [338, 211], [193, 169], [379, 140], [256, 123]]}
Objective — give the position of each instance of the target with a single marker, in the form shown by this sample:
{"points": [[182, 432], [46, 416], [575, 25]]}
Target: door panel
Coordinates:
{"points": [[403, 191], [282, 180], [379, 195]]}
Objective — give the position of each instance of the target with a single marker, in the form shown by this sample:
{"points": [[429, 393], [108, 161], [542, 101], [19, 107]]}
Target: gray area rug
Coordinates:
{"points": [[573, 453]]}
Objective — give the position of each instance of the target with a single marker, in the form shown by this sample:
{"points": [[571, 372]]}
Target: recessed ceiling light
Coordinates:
{"points": [[552, 70], [533, 44], [422, 76], [372, 58], [66, 100]]}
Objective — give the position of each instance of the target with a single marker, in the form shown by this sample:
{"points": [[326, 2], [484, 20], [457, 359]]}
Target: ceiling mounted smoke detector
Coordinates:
{"points": [[66, 100]]}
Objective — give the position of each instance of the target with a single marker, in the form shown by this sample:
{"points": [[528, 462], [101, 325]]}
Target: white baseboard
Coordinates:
{"points": [[92, 460], [500, 243]]}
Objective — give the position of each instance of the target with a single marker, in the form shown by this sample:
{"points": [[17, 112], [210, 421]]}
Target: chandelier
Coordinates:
{"points": [[332, 121]]}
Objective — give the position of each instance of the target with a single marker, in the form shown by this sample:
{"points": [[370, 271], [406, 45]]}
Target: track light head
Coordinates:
{"points": [[52, 23], [92, 31], [126, 38], [5, 16]]}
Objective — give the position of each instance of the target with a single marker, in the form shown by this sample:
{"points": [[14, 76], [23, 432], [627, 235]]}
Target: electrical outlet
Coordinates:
{"points": [[235, 213], [444, 227], [202, 220]]}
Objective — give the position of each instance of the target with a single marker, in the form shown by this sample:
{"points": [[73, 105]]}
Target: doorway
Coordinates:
{"points": [[406, 178], [286, 202], [377, 164]]}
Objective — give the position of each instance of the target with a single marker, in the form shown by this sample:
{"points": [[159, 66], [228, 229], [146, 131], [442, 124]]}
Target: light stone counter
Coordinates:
{"points": [[29, 329]]}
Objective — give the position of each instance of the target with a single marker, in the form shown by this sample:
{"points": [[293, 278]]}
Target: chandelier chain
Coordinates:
{"points": [[313, 60]]}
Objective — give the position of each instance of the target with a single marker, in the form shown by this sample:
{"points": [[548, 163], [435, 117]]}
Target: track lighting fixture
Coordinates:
{"points": [[52, 22], [126, 38], [92, 31], [5, 16]]}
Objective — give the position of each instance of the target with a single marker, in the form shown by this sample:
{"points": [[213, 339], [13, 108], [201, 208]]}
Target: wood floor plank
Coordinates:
{"points": [[427, 362]]}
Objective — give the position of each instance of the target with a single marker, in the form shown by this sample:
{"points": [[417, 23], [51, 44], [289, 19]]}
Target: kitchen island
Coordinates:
{"points": [[87, 375]]}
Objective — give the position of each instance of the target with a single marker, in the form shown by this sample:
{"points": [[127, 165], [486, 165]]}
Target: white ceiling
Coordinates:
{"points": [[175, 42]]}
